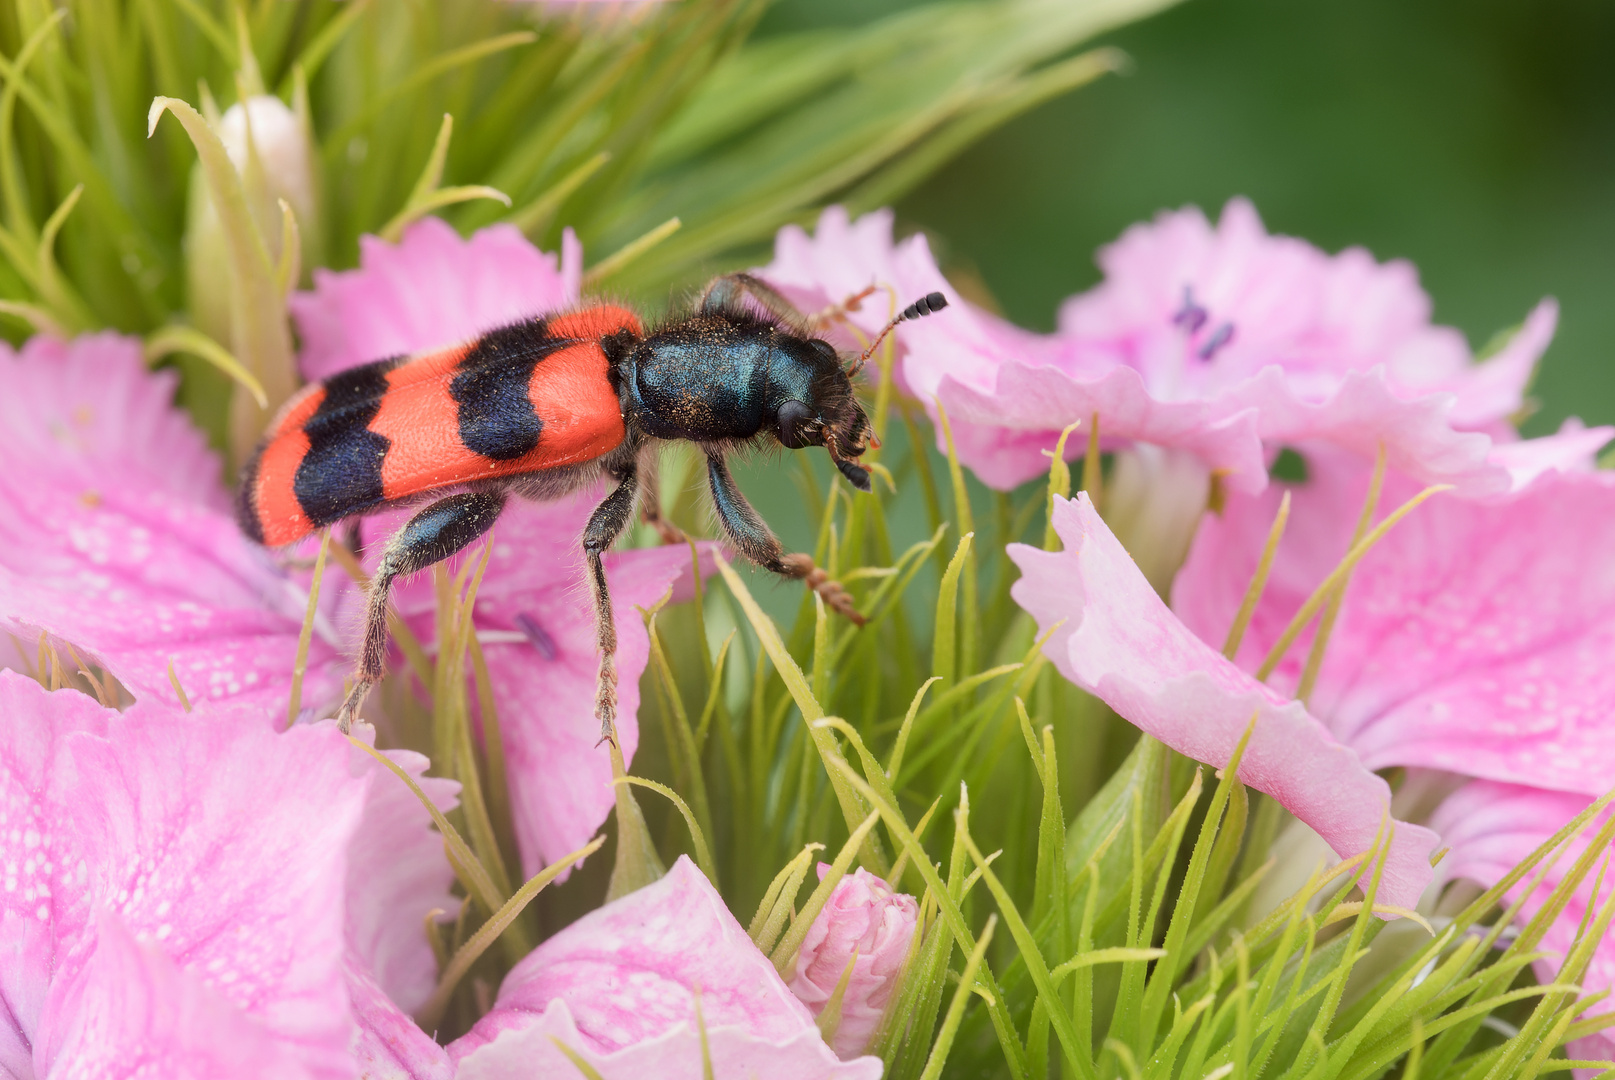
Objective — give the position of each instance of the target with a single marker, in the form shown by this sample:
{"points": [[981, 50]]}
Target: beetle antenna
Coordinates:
{"points": [[928, 304]]}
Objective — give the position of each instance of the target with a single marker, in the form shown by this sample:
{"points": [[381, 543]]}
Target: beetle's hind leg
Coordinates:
{"points": [[440, 530], [748, 533], [607, 522], [727, 291]]}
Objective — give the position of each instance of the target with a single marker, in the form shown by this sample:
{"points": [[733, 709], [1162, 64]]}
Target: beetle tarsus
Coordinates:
{"points": [[814, 577], [350, 707]]}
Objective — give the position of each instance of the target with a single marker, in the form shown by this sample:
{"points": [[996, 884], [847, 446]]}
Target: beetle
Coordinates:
{"points": [[545, 406]]}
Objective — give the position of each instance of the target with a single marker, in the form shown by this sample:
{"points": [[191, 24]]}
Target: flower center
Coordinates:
{"points": [[1192, 318]]}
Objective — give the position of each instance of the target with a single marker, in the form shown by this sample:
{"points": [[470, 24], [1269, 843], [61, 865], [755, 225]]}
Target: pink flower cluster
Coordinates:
{"points": [[1474, 639], [185, 889]]}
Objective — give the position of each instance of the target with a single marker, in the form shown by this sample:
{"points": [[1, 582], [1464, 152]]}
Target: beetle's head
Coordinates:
{"points": [[825, 412]]}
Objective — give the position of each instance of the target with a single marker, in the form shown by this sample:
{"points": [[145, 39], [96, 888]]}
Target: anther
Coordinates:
{"points": [[1219, 337], [1191, 316], [537, 636]]}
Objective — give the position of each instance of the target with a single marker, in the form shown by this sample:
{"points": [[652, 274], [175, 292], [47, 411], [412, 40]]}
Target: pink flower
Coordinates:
{"points": [[189, 895], [435, 289], [619, 988], [1119, 642], [116, 536], [1203, 341], [1491, 828], [1335, 348], [1473, 638], [866, 924]]}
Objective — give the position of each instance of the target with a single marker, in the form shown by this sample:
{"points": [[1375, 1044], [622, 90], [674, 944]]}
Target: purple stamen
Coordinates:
{"points": [[1219, 337], [1191, 316], [537, 636]]}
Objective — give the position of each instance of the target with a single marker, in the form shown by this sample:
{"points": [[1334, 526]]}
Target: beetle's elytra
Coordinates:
{"points": [[543, 407]]}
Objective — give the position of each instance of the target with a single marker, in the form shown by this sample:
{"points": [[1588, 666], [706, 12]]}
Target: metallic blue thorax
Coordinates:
{"points": [[709, 379]]}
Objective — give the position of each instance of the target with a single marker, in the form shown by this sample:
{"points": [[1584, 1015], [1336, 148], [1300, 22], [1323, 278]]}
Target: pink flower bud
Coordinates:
{"points": [[862, 916]]}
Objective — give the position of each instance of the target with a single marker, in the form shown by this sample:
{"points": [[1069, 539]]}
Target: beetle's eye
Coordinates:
{"points": [[796, 428], [825, 349]]}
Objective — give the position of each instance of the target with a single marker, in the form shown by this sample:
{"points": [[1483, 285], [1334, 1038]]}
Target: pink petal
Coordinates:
{"points": [[1121, 643], [1363, 412], [1491, 828], [225, 845], [132, 1012], [40, 906], [398, 874], [388, 1045], [433, 288], [864, 922], [559, 779], [1474, 638], [211, 839], [1496, 387], [520, 1053], [1574, 448], [114, 535], [626, 972], [1004, 434], [841, 259], [90, 414]]}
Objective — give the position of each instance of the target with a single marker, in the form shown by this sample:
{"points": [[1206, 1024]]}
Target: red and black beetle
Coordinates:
{"points": [[543, 407]]}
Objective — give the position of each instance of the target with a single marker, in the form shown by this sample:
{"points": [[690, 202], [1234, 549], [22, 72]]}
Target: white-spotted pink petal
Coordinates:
{"points": [[1473, 638], [1491, 828], [431, 289], [623, 979], [1119, 642], [398, 874], [132, 1012], [40, 908], [210, 838], [115, 535], [225, 844]]}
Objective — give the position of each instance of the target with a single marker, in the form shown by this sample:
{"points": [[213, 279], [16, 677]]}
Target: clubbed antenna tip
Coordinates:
{"points": [[929, 304]]}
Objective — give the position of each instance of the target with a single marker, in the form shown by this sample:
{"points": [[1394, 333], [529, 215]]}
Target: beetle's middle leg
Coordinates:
{"points": [[648, 465], [440, 530], [746, 529], [607, 522]]}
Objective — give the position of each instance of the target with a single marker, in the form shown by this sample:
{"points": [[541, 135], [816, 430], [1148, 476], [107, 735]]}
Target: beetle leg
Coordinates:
{"points": [[753, 540], [726, 292], [650, 504], [431, 536], [609, 519]]}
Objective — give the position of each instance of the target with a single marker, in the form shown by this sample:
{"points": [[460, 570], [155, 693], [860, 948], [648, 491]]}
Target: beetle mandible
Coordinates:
{"points": [[543, 407]]}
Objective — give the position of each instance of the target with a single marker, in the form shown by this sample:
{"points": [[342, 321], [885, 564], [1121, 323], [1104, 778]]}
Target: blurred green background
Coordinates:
{"points": [[1474, 137]]}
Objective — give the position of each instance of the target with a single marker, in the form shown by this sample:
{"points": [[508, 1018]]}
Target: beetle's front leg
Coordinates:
{"points": [[752, 538], [607, 522], [440, 530]]}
